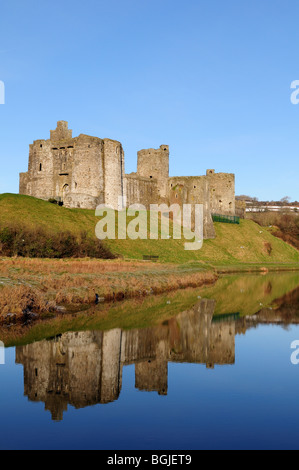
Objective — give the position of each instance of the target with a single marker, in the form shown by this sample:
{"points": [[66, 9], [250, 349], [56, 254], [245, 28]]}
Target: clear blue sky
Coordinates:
{"points": [[211, 78]]}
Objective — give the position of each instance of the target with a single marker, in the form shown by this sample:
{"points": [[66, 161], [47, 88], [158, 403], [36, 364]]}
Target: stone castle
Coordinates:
{"points": [[85, 171]]}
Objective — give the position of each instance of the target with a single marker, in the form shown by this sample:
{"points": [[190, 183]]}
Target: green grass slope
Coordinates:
{"points": [[234, 245], [31, 212]]}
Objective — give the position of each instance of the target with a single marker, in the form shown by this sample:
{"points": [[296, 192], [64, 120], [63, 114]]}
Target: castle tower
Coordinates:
{"points": [[222, 192], [80, 172], [154, 163]]}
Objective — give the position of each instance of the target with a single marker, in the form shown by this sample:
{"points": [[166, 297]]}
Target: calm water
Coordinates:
{"points": [[216, 374]]}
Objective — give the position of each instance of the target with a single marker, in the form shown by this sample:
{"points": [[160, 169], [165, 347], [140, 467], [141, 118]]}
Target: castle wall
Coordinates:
{"points": [[38, 181], [24, 183], [139, 190], [114, 164], [193, 190], [84, 164], [154, 164], [63, 163], [222, 192]]}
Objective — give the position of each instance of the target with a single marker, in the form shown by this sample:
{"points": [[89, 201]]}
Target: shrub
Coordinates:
{"points": [[16, 241], [286, 225]]}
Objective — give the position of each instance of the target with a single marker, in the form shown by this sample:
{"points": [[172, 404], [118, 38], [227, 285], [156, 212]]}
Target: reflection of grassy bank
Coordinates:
{"points": [[40, 285], [133, 313], [257, 268], [232, 293], [249, 293]]}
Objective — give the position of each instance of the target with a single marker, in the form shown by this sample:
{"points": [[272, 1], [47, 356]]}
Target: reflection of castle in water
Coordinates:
{"points": [[85, 368]]}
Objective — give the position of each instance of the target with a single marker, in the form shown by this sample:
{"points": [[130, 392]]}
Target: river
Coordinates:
{"points": [[194, 369]]}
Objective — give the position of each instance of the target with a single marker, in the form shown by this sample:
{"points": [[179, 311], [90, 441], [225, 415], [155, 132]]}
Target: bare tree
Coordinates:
{"points": [[285, 200]]}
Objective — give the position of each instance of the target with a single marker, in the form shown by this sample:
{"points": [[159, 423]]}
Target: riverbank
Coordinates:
{"points": [[247, 297], [42, 286], [46, 286]]}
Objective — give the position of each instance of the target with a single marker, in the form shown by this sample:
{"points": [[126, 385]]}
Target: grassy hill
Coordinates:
{"points": [[245, 244]]}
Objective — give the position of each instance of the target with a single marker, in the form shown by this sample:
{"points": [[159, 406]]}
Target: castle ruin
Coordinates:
{"points": [[85, 171]]}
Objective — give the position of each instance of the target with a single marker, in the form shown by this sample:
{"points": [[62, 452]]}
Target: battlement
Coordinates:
{"points": [[163, 150], [62, 132]]}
